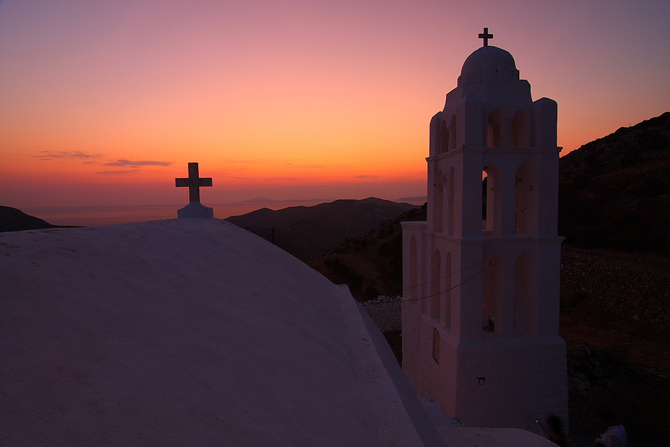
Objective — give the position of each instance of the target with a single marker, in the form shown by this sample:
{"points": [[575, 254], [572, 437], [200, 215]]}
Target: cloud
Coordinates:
{"points": [[123, 162], [258, 161], [56, 155], [129, 171], [366, 176], [304, 166], [280, 179], [88, 158]]}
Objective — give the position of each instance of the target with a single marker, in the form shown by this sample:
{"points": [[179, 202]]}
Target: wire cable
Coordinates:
{"points": [[375, 303], [445, 276], [443, 291]]}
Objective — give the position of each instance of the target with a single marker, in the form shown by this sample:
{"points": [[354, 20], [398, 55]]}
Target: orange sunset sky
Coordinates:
{"points": [[103, 103]]}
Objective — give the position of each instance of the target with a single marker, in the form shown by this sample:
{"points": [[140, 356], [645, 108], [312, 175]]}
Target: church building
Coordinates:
{"points": [[482, 274], [193, 331]]}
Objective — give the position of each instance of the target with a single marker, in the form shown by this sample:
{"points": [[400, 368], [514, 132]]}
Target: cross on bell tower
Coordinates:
{"points": [[486, 36]]}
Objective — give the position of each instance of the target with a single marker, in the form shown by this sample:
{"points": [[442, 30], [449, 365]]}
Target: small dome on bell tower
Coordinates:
{"points": [[488, 63]]}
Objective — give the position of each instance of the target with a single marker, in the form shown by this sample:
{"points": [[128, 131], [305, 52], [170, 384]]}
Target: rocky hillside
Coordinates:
{"points": [[615, 191], [307, 231], [371, 264]]}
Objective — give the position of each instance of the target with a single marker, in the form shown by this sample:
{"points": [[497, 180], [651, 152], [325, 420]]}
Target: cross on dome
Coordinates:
{"points": [[194, 182], [486, 36]]}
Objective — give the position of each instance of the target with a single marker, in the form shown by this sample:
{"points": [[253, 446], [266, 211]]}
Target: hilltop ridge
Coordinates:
{"points": [[615, 191], [308, 231]]}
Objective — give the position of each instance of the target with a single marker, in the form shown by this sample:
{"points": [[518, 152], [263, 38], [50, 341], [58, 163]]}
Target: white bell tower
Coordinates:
{"points": [[482, 274]]}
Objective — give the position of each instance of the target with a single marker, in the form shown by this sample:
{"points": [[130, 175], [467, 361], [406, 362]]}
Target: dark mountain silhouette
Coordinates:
{"points": [[307, 231], [12, 219], [371, 264], [615, 191]]}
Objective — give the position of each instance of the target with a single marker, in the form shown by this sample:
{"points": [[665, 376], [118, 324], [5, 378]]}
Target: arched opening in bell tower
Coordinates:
{"points": [[452, 128], [438, 201], [520, 129], [492, 271], [485, 199], [491, 200], [450, 202], [444, 140], [446, 318], [413, 269], [435, 283], [526, 201], [494, 127], [524, 302]]}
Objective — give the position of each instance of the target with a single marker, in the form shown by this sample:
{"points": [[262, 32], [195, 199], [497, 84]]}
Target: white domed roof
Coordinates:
{"points": [[188, 332], [489, 63]]}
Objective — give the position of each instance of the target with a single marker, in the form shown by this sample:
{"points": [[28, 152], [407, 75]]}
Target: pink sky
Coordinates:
{"points": [[105, 103]]}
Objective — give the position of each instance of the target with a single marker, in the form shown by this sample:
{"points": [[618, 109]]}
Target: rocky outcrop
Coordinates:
{"points": [[371, 265], [598, 380], [615, 191]]}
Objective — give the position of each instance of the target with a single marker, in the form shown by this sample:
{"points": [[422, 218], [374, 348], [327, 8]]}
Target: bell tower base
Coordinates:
{"points": [[477, 381]]}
